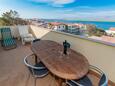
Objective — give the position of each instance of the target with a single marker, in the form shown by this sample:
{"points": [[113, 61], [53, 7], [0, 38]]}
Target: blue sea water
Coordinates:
{"points": [[101, 25]]}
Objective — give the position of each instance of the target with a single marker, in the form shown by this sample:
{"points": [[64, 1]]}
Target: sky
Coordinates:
{"points": [[99, 10]]}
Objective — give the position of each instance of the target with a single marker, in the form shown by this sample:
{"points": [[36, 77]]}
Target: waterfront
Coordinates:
{"points": [[101, 25]]}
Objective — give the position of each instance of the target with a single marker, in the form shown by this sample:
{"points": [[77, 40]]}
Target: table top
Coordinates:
{"points": [[71, 66]]}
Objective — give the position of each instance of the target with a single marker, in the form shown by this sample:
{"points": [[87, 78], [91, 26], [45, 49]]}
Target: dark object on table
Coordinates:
{"points": [[65, 45]]}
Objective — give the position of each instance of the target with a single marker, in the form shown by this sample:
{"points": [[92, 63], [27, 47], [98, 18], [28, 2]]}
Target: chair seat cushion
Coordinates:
{"points": [[26, 35], [103, 80], [28, 39], [40, 65], [40, 72], [85, 81]]}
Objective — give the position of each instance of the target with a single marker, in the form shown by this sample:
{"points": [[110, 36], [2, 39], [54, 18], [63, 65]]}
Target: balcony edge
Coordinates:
{"points": [[85, 38]]}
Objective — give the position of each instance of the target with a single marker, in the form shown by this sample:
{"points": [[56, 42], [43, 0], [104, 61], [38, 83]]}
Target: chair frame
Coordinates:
{"points": [[92, 68], [73, 82], [33, 67], [100, 72]]}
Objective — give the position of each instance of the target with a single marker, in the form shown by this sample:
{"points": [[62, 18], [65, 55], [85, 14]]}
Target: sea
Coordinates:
{"points": [[99, 24]]}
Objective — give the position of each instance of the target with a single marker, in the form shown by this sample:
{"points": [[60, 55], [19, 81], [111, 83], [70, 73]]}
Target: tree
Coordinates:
{"points": [[4, 22], [93, 30], [10, 14], [11, 18]]}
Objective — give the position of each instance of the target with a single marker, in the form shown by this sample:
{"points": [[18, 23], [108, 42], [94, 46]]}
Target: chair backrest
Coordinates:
{"points": [[29, 64], [35, 70], [23, 30], [103, 80], [6, 33]]}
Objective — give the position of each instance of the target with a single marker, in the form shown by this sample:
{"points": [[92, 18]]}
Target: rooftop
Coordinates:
{"points": [[14, 72], [108, 39], [104, 38], [112, 29]]}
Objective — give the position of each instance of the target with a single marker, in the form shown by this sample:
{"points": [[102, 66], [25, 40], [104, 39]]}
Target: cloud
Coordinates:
{"points": [[91, 15], [41, 1], [63, 1], [87, 13], [55, 3]]}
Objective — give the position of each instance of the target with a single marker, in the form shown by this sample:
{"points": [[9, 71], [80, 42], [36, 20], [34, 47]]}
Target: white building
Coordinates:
{"points": [[57, 26], [72, 28], [77, 28], [111, 32]]}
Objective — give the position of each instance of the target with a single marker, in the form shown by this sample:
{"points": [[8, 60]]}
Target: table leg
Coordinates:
{"points": [[36, 60], [59, 81]]}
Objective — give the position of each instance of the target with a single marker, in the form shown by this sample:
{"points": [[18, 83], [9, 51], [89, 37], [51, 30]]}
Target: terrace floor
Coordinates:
{"points": [[14, 73]]}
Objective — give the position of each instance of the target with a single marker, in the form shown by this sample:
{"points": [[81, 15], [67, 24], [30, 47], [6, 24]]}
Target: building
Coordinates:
{"points": [[57, 26], [111, 32], [82, 27], [112, 29], [74, 29]]}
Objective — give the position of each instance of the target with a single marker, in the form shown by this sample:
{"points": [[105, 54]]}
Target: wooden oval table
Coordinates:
{"points": [[71, 66]]}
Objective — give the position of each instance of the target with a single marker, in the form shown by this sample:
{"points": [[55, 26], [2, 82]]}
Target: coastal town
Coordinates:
{"points": [[57, 42], [85, 30]]}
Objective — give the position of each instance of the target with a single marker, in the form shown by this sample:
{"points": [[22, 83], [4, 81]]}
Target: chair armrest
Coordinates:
{"points": [[26, 35]]}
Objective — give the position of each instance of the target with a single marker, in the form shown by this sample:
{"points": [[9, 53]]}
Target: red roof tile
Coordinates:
{"points": [[112, 28]]}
